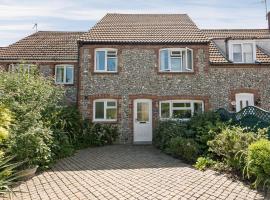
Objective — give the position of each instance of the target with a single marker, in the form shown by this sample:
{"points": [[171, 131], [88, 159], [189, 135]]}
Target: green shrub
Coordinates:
{"points": [[5, 122], [168, 129], [98, 135], [34, 146], [258, 162], [230, 145], [203, 163], [205, 127], [186, 149]]}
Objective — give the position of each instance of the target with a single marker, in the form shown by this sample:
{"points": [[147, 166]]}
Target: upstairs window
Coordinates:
{"points": [[64, 74], [176, 60], [242, 51], [180, 109], [106, 60]]}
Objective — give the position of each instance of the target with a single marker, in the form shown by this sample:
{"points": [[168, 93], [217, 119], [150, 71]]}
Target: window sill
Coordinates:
{"points": [[105, 121], [178, 73]]}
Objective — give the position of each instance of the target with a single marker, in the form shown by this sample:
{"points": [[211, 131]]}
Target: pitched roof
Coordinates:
{"points": [[44, 45], [145, 28], [216, 55], [237, 33]]}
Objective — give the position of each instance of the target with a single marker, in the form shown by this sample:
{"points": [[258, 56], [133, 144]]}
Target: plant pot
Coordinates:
{"points": [[29, 173]]}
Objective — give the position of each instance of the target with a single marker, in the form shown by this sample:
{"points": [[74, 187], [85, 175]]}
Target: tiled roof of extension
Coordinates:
{"points": [[145, 28], [237, 33], [216, 55], [44, 45]]}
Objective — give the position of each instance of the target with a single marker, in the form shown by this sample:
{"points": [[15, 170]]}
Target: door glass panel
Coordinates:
{"points": [[181, 114], [143, 112], [99, 114], [241, 104]]}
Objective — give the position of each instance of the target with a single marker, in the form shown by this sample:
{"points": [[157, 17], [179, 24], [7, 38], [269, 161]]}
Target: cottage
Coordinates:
{"points": [[134, 69]]}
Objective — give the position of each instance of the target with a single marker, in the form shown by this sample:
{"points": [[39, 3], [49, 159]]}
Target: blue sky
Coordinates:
{"points": [[18, 17]]}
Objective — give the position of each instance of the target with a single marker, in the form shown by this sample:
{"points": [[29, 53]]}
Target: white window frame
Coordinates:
{"points": [[169, 60], [106, 60], [105, 110], [242, 42], [183, 108], [65, 66]]}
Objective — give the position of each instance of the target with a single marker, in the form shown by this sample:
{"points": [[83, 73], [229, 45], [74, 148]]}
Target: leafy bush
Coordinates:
{"points": [[66, 124], [34, 146], [205, 127], [202, 128], [98, 135], [258, 162], [231, 143], [168, 129], [203, 163], [5, 121], [184, 148]]}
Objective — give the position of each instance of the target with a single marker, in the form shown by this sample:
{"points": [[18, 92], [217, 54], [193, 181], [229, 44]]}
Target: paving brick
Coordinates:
{"points": [[129, 172]]}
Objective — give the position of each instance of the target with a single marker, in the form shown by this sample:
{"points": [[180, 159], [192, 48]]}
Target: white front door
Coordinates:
{"points": [[142, 121], [243, 100]]}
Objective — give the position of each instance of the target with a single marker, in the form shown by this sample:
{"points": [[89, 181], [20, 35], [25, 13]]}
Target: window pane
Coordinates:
{"points": [[189, 59], [176, 64], [111, 64], [143, 112], [111, 113], [111, 103], [69, 75], [181, 105], [184, 62], [237, 53], [60, 74], [248, 53], [100, 60], [164, 60], [181, 114], [99, 114], [198, 107], [165, 110]]}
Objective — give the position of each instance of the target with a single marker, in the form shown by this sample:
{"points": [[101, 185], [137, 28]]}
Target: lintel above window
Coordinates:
{"points": [[176, 60], [180, 109], [106, 60], [242, 51]]}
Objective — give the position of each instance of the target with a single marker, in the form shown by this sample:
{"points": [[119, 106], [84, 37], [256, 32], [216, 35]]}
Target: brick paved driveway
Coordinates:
{"points": [[130, 172]]}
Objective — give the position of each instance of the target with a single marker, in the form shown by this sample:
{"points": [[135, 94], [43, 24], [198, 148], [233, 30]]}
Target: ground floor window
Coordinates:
{"points": [[105, 110], [180, 109]]}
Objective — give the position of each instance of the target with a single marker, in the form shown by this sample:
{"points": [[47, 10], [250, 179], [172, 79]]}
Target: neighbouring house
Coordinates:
{"points": [[134, 69], [55, 53]]}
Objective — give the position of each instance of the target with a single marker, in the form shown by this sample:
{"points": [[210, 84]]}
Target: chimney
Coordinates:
{"points": [[268, 17]]}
